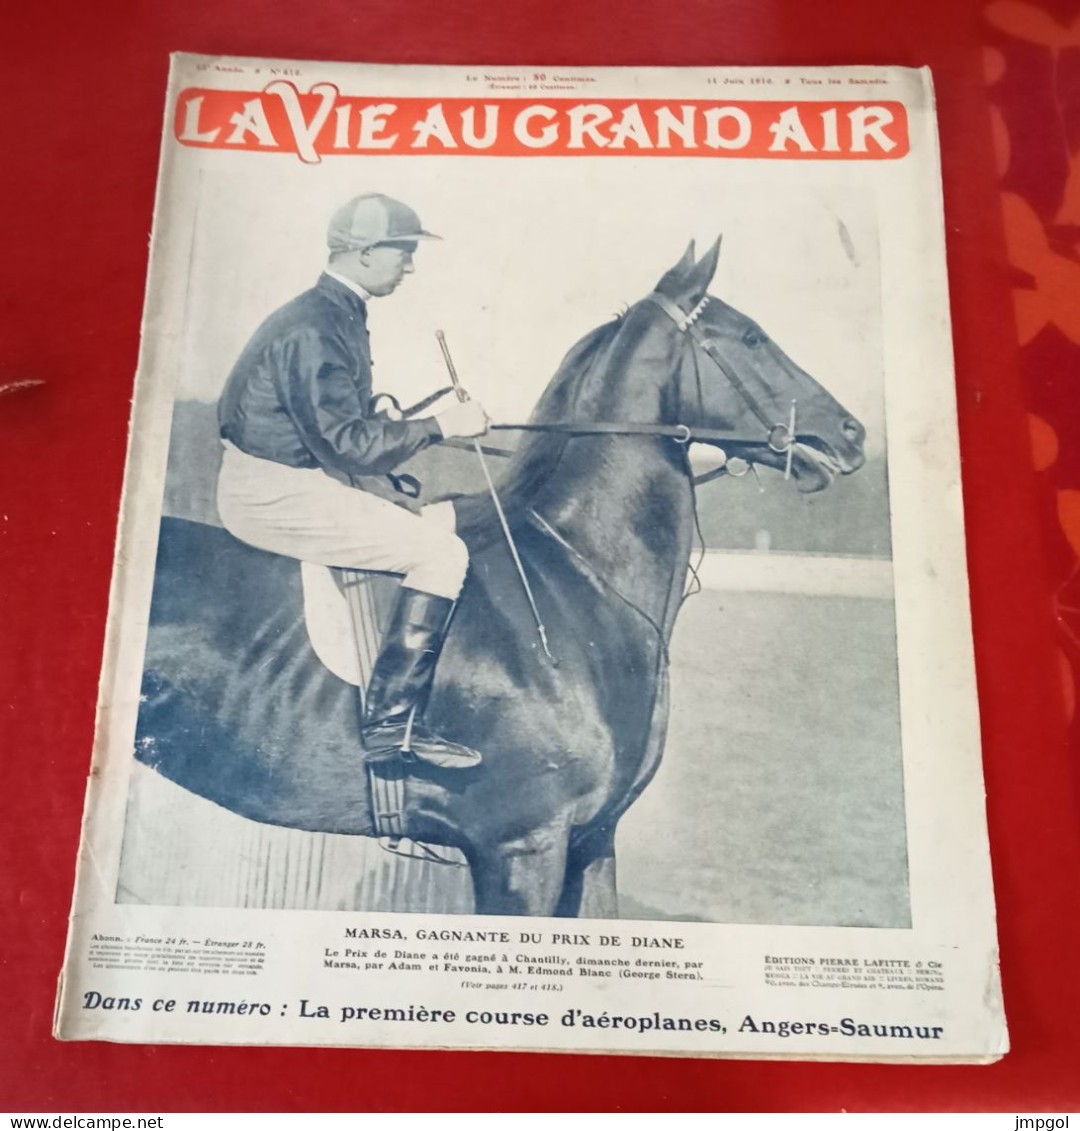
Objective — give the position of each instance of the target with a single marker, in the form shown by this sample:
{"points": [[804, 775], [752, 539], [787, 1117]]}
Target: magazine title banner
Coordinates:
{"points": [[323, 123]]}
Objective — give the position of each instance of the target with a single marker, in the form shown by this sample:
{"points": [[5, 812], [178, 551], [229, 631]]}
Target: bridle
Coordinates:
{"points": [[779, 437]]}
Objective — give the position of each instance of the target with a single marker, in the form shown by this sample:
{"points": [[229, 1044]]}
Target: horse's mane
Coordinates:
{"points": [[539, 453]]}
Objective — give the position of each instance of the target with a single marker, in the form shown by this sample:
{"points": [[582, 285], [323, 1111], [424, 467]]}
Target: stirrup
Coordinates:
{"points": [[386, 780]]}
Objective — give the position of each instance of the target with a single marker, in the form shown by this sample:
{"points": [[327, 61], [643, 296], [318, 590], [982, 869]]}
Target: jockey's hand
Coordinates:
{"points": [[465, 420]]}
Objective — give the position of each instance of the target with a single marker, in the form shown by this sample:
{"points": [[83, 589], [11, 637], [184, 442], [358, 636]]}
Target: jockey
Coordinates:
{"points": [[303, 472]]}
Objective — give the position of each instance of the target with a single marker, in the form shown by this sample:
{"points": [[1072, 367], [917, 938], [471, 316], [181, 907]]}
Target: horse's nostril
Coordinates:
{"points": [[851, 429]]}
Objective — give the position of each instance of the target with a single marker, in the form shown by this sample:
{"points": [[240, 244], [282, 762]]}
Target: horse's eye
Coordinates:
{"points": [[753, 337]]}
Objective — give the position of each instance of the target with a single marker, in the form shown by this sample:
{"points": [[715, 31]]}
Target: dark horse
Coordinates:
{"points": [[237, 708]]}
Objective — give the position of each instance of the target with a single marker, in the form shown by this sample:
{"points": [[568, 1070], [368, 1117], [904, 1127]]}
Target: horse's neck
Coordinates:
{"points": [[625, 507], [624, 503]]}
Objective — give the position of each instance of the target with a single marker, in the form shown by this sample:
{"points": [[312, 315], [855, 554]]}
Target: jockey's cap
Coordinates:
{"points": [[373, 219]]}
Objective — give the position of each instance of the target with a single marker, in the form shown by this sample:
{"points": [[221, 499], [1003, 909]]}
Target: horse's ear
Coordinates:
{"points": [[687, 260], [672, 281], [697, 281]]}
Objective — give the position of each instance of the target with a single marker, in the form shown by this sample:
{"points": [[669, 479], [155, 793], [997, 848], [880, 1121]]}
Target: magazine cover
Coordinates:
{"points": [[540, 615]]}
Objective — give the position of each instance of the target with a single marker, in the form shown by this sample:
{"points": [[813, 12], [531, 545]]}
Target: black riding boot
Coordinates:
{"points": [[401, 682]]}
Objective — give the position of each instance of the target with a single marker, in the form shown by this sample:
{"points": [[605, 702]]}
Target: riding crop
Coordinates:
{"points": [[463, 396]]}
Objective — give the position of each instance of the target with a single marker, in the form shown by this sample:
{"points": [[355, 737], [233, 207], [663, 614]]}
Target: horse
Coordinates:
{"points": [[237, 708]]}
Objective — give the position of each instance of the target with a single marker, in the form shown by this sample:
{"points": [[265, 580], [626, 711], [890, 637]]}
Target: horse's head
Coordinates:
{"points": [[735, 381]]}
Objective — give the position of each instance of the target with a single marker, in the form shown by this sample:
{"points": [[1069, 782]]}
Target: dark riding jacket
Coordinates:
{"points": [[299, 393]]}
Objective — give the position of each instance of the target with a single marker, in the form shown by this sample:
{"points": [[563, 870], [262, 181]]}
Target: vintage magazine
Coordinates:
{"points": [[540, 614]]}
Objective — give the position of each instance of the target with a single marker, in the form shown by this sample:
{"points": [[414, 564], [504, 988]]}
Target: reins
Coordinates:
{"points": [[779, 437], [680, 433]]}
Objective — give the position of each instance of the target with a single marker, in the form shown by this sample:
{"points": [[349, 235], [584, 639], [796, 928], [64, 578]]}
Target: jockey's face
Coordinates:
{"points": [[379, 269]]}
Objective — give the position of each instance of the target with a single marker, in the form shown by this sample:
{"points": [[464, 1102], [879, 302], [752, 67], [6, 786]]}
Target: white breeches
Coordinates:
{"points": [[304, 514]]}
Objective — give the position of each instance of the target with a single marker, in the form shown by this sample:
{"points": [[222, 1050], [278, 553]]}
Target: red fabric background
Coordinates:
{"points": [[81, 101]]}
